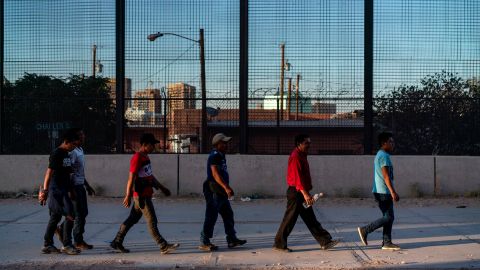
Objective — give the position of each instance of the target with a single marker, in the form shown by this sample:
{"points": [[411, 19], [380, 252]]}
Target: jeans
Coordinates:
{"points": [[52, 226], [216, 204], [385, 203], [81, 211], [144, 206], [294, 209]]}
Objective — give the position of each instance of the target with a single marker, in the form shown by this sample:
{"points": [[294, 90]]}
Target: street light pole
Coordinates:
{"points": [[201, 43]]}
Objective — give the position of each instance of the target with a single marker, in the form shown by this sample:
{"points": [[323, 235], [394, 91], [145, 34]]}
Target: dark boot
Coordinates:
{"points": [[117, 243], [233, 241]]}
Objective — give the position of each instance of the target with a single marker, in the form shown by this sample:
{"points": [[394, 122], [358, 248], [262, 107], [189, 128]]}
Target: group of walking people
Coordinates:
{"points": [[65, 190]]}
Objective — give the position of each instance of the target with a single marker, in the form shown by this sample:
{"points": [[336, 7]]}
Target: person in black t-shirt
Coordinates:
{"points": [[56, 187]]}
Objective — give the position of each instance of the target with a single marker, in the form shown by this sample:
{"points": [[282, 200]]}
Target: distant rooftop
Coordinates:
{"points": [[328, 123]]}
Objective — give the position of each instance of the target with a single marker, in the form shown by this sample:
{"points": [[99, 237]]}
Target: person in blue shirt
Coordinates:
{"points": [[217, 192], [384, 193]]}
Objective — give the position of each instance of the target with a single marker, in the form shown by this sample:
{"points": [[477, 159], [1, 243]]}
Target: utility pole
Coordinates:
{"points": [[289, 98], [94, 54], [204, 92], [297, 97], [282, 76]]}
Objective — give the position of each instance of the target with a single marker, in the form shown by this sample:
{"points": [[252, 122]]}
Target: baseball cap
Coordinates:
{"points": [[220, 137], [148, 138]]}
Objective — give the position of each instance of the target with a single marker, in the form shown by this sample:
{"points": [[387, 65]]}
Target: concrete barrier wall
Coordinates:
{"points": [[19, 173], [260, 174], [109, 172], [341, 175], [264, 175], [192, 173], [411, 170], [248, 174], [457, 175]]}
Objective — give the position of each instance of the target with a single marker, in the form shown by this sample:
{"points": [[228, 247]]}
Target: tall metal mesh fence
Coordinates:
{"points": [[52, 52], [426, 71], [306, 74]]}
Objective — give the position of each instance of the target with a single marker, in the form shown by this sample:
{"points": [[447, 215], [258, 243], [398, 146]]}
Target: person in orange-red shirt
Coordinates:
{"points": [[299, 185], [140, 185]]}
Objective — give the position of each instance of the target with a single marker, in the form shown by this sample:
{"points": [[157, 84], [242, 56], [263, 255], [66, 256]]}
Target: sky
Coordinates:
{"points": [[323, 42]]}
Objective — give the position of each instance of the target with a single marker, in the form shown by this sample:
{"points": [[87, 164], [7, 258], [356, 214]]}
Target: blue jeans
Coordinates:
{"points": [[80, 207], [385, 203], [55, 218], [59, 205], [216, 204]]}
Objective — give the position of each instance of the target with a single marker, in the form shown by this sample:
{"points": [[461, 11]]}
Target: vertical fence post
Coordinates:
{"points": [[119, 73], [243, 77], [368, 78], [2, 103]]}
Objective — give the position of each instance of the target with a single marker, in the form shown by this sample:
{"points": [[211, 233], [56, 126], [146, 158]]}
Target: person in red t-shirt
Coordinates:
{"points": [[299, 185], [140, 184]]}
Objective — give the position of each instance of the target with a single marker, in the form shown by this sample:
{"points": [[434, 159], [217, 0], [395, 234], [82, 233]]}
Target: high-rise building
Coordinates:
{"points": [[181, 96], [148, 100], [112, 84], [148, 103], [182, 131]]}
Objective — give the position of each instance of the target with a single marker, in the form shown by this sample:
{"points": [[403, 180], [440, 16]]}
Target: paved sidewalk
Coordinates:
{"points": [[433, 233]]}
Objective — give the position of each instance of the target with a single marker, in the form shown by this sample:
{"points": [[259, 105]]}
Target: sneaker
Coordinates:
{"points": [[50, 249], [282, 249], [83, 246], [208, 247], [167, 248], [329, 245], [363, 235], [70, 250], [236, 242], [390, 246], [59, 233], [119, 247]]}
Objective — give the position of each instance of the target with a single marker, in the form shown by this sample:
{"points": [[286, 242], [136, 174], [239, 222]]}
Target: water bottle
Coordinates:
{"points": [[315, 198]]}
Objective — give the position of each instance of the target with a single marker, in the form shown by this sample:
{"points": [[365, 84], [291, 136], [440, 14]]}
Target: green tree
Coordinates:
{"points": [[36, 105], [440, 116]]}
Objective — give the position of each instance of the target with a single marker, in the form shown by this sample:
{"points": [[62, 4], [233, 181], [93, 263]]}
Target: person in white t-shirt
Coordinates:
{"points": [[80, 187]]}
